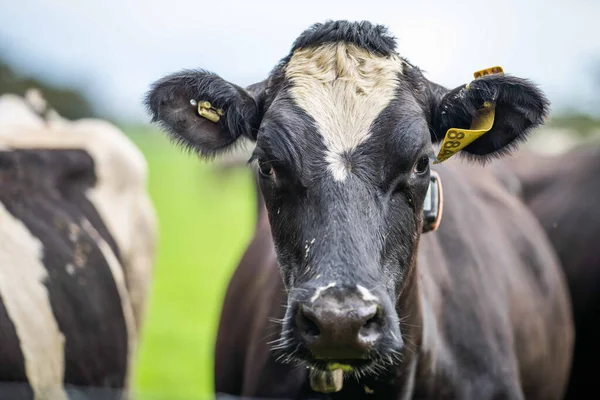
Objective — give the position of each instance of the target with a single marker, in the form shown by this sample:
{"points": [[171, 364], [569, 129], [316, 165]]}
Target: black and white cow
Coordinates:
{"points": [[344, 131], [77, 243]]}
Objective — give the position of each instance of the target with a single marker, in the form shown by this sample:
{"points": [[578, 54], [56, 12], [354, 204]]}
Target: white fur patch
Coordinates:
{"points": [[343, 88], [25, 297], [320, 291], [366, 293], [70, 269], [16, 112]]}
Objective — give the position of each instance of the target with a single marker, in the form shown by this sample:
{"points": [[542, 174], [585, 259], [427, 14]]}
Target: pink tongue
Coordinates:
{"points": [[326, 381]]}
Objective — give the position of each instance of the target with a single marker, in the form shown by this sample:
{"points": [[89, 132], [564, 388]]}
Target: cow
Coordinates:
{"points": [[562, 191], [77, 244], [338, 294]]}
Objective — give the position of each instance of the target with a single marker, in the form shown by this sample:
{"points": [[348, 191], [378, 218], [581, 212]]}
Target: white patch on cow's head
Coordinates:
{"points": [[320, 291], [337, 166], [26, 299], [344, 88], [366, 293], [120, 195]]}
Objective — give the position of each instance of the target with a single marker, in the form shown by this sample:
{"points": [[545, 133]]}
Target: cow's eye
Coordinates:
{"points": [[265, 169], [421, 166]]}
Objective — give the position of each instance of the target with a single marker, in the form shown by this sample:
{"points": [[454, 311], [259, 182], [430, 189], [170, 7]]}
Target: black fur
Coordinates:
{"points": [[168, 101], [374, 38], [562, 191], [13, 378], [520, 107]]}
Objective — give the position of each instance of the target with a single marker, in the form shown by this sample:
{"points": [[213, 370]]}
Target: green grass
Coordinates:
{"points": [[205, 221]]}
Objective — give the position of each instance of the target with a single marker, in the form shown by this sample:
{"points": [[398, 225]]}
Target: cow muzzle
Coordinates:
{"points": [[345, 328]]}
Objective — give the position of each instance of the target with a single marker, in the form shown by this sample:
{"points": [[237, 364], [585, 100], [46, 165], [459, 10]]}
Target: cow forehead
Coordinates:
{"points": [[344, 88]]}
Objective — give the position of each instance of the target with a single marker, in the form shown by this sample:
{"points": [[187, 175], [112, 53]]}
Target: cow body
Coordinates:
{"points": [[562, 191], [76, 249], [339, 295], [471, 318]]}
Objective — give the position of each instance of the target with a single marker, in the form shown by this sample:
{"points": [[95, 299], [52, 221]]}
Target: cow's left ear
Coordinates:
{"points": [[487, 117]]}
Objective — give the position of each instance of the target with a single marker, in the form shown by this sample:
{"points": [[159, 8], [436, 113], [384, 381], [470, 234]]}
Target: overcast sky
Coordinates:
{"points": [[116, 48]]}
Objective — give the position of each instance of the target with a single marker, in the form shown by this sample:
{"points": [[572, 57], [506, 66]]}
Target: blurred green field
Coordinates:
{"points": [[205, 221]]}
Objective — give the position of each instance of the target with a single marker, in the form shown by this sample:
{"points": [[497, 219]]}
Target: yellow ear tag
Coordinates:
{"points": [[206, 110], [457, 139], [488, 71]]}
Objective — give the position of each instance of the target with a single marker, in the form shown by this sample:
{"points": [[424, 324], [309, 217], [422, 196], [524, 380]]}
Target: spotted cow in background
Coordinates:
{"points": [[77, 243], [344, 131]]}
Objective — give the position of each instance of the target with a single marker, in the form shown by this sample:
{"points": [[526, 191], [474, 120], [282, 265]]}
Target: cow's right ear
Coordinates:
{"points": [[204, 112]]}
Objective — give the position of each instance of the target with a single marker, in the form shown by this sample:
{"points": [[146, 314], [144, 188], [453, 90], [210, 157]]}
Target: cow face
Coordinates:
{"points": [[345, 131]]}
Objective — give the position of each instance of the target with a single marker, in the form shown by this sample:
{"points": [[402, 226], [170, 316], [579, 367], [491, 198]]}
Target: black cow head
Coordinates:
{"points": [[345, 131]]}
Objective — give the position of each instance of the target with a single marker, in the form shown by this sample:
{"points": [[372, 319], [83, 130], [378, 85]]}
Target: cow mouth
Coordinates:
{"points": [[347, 366], [375, 364]]}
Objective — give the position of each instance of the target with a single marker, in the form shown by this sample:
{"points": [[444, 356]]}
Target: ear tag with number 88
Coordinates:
{"points": [[457, 139]]}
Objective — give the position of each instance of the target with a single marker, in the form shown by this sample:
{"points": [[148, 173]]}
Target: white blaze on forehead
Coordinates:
{"points": [[366, 293], [343, 88], [320, 291], [25, 297]]}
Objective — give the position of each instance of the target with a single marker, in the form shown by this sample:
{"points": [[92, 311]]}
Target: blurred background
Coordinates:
{"points": [[97, 59]]}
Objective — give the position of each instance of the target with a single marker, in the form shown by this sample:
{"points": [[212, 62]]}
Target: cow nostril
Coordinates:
{"points": [[373, 324], [306, 324]]}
